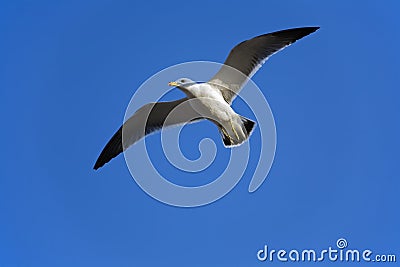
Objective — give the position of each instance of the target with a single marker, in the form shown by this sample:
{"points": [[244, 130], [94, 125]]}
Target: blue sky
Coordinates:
{"points": [[69, 68]]}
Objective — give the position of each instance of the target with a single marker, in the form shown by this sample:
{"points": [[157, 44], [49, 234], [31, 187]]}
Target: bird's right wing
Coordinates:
{"points": [[149, 118], [247, 57]]}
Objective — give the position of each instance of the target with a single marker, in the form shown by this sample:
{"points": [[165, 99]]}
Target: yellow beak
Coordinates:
{"points": [[173, 84]]}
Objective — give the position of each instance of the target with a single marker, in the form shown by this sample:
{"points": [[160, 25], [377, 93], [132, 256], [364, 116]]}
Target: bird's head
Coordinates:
{"points": [[182, 83]]}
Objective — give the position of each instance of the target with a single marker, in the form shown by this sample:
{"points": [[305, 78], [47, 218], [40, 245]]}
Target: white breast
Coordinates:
{"points": [[205, 90], [211, 102]]}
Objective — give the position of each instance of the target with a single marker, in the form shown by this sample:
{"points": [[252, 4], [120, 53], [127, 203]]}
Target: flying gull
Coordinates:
{"points": [[211, 100]]}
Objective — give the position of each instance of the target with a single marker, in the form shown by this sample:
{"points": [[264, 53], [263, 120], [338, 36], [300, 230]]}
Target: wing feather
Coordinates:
{"points": [[248, 56], [146, 120]]}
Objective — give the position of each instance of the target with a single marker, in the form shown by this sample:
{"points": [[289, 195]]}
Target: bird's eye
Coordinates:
{"points": [[182, 81]]}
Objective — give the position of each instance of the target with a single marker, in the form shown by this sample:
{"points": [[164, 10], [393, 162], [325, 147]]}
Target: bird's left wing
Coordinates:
{"points": [[247, 57], [149, 118]]}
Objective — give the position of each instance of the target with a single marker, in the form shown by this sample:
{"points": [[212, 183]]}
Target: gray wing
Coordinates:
{"points": [[149, 118], [247, 57]]}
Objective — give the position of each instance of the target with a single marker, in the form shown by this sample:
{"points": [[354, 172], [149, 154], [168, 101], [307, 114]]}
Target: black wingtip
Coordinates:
{"points": [[296, 33], [100, 162], [97, 165], [309, 30], [110, 151], [313, 29]]}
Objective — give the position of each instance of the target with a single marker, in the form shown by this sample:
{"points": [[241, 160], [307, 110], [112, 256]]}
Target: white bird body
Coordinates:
{"points": [[208, 102]]}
